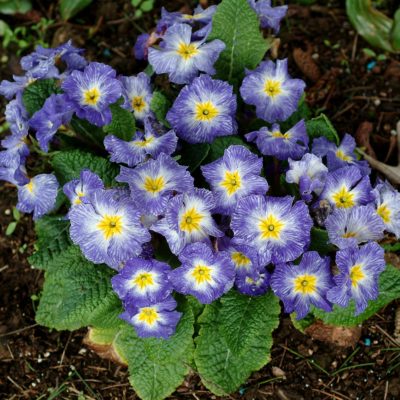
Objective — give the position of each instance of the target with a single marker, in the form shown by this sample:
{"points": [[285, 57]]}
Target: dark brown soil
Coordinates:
{"points": [[36, 363]]}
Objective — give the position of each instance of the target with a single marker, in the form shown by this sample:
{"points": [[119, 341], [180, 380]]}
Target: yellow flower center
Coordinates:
{"points": [[232, 182], [138, 103], [340, 154], [278, 134], [148, 315], [78, 199], [110, 225], [349, 235], [270, 227], [356, 275], [201, 274], [272, 88], [29, 186], [143, 280], [154, 185], [187, 51], [305, 284], [343, 198], [240, 260], [91, 96], [191, 220], [384, 212], [143, 143], [205, 111]]}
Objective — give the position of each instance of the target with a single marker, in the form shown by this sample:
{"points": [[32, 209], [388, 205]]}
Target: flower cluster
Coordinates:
{"points": [[221, 223]]}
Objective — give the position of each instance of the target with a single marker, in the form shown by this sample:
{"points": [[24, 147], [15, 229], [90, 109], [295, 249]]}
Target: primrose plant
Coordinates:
{"points": [[173, 222]]}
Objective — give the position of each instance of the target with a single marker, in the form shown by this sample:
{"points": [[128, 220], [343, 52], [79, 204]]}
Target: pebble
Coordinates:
{"points": [[47, 354], [82, 351], [7, 211], [278, 372]]}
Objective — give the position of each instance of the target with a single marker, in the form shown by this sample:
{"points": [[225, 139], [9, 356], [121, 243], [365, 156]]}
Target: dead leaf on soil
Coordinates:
{"points": [[363, 135], [306, 63], [336, 335]]}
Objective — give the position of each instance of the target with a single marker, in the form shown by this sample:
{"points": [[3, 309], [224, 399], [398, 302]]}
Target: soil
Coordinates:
{"points": [[358, 93]]}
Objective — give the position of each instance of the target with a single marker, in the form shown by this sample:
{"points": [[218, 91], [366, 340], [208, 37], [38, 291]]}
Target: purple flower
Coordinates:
{"points": [[17, 116], [359, 270], [203, 274], [15, 173], [71, 56], [339, 156], [137, 94], [16, 149], [387, 204], [92, 91], [254, 284], [134, 152], [270, 17], [346, 188], [245, 260], [158, 320], [55, 112], [204, 110], [299, 286], [38, 195], [348, 228], [188, 219], [200, 15], [154, 183], [142, 282], [277, 228], [270, 88], [9, 89], [40, 64], [309, 173], [79, 190], [233, 176], [107, 229], [293, 143], [182, 59]]}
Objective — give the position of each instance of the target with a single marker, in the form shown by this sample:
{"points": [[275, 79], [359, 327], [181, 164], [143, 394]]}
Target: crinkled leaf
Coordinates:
{"points": [[389, 290], [52, 239], [319, 241], [160, 105], [374, 26], [193, 155], [321, 126], [392, 247], [68, 165], [37, 92], [91, 134], [220, 144], [237, 25], [69, 8], [77, 293], [122, 123], [157, 367], [235, 339]]}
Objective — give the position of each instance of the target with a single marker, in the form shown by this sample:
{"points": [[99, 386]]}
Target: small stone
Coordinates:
{"points": [[47, 354], [7, 211], [82, 351], [279, 373]]}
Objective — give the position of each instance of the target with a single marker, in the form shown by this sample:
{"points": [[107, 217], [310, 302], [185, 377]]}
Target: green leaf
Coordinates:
{"points": [[88, 132], [122, 123], [192, 155], [52, 239], [77, 293], [36, 94], [220, 144], [389, 290], [69, 8], [237, 25], [321, 126], [147, 5], [319, 241], [304, 323], [395, 32], [11, 7], [160, 105], [374, 26], [11, 228], [157, 367], [392, 247], [16, 214], [68, 165], [235, 339]]}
